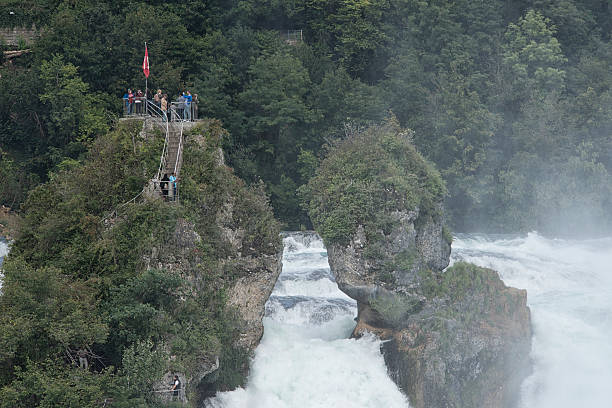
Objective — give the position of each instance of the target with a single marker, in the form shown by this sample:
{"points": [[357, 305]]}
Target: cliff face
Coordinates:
{"points": [[246, 298], [104, 274], [456, 337], [459, 338], [229, 244]]}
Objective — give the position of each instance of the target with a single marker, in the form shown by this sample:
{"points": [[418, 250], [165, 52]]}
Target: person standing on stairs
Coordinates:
{"points": [[164, 186], [173, 186]]}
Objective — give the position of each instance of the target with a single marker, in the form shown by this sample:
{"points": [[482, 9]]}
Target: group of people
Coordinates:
{"points": [[168, 187], [186, 106], [134, 102]]}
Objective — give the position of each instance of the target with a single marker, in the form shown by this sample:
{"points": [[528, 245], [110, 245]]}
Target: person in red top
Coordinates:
{"points": [[130, 102], [139, 102]]}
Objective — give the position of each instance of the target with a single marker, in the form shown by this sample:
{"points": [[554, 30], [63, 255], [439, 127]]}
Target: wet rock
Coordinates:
{"points": [[454, 338]]}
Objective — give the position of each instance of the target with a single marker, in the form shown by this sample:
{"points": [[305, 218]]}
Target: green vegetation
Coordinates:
{"points": [[364, 178], [464, 282], [394, 309], [510, 100], [77, 276]]}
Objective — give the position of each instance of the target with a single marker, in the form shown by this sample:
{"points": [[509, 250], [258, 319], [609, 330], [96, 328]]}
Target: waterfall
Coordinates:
{"points": [[569, 292], [3, 251], [306, 358]]}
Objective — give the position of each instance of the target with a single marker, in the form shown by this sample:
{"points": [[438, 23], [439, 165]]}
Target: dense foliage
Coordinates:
{"points": [[367, 176], [77, 278], [511, 100]]}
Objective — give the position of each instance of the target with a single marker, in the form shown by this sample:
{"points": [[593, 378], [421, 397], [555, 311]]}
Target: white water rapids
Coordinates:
{"points": [[569, 292], [3, 251], [306, 360]]}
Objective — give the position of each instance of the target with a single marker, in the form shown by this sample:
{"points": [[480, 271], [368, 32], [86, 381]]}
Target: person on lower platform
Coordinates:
{"points": [[176, 388]]}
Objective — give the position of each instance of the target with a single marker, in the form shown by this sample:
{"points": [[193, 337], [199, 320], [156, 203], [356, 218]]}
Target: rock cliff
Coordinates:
{"points": [[246, 262], [454, 338]]}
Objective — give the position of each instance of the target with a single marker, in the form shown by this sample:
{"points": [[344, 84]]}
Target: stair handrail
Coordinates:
{"points": [[153, 109], [179, 152], [164, 156]]}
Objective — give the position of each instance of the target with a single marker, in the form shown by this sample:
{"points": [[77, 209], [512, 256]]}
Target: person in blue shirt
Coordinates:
{"points": [[188, 99], [173, 184], [126, 104]]}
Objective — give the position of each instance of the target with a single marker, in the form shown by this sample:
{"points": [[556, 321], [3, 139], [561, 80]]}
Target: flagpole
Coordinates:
{"points": [[146, 88]]}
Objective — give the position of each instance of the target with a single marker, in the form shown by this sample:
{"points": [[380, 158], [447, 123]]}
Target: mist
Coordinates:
{"points": [[568, 285]]}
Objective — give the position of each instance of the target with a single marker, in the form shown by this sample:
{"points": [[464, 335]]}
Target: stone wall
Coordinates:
{"points": [[11, 36]]}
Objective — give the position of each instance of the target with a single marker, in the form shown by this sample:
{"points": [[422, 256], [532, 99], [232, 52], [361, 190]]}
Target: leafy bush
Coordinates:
{"points": [[367, 176]]}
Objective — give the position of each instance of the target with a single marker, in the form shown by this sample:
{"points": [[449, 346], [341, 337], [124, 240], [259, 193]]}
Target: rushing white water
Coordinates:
{"points": [[569, 291], [3, 251], [305, 358]]}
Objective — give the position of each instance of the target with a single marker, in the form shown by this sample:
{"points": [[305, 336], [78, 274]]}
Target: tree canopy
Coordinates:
{"points": [[496, 92]]}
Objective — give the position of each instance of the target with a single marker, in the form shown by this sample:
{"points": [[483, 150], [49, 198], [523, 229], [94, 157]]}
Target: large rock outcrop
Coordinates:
{"points": [[458, 338], [236, 225], [454, 338]]}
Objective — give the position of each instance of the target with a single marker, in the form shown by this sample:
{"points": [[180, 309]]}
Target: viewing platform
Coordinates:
{"points": [[176, 112], [178, 118]]}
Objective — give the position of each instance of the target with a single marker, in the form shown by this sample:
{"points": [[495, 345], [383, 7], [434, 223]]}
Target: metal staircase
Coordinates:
{"points": [[172, 155]]}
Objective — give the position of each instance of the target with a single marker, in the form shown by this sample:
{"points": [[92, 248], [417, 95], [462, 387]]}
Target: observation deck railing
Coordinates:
{"points": [[292, 37], [143, 107]]}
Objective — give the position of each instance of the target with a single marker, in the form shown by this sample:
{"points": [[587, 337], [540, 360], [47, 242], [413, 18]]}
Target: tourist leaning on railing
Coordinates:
{"points": [[139, 102], [130, 102]]}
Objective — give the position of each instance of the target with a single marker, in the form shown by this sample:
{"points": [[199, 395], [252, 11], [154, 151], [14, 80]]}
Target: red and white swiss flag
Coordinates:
{"points": [[145, 63]]}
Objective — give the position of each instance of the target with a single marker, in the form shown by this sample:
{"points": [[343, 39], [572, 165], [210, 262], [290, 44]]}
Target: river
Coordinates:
{"points": [[306, 360], [569, 292]]}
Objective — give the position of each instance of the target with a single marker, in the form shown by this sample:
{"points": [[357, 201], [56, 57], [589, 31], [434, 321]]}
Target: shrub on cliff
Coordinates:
{"points": [[367, 175]]}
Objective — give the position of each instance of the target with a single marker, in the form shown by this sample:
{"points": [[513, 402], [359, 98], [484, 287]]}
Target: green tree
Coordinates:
{"points": [[352, 29], [73, 112], [533, 56]]}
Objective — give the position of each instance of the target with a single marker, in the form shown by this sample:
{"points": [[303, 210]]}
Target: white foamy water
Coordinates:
{"points": [[305, 359], [4, 249], [569, 291]]}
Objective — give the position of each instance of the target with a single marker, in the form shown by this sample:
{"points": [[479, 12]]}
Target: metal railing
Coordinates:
{"points": [[292, 37], [177, 111], [183, 112], [171, 395], [137, 106], [171, 190], [174, 114]]}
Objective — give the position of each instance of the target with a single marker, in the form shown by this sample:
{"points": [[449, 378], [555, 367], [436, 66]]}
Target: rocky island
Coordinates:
{"points": [[455, 337]]}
